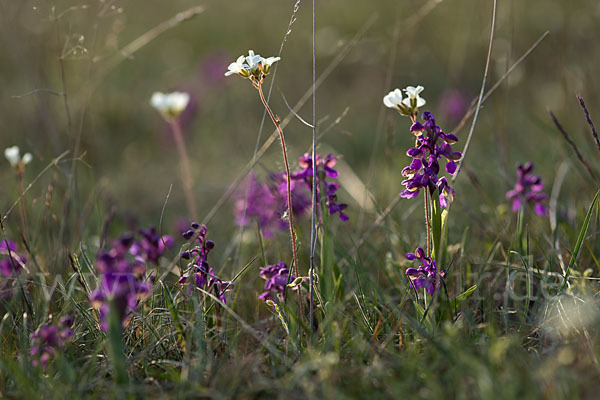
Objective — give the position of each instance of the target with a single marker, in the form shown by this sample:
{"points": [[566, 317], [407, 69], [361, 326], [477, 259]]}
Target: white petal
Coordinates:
{"points": [[387, 102], [158, 101], [420, 102], [178, 101], [406, 102], [12, 155], [398, 96], [27, 157], [270, 60]]}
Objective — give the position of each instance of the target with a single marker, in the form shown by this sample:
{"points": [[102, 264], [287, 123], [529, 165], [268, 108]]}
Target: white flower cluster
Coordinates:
{"points": [[170, 105], [13, 155], [252, 65], [408, 105]]}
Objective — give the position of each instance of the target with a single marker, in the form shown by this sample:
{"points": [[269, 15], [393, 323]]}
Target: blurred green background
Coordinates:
{"points": [[129, 160]]}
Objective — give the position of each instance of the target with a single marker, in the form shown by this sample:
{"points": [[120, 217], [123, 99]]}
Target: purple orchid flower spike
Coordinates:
{"points": [[276, 277], [528, 189], [198, 267], [431, 145], [425, 276], [324, 164], [48, 339]]}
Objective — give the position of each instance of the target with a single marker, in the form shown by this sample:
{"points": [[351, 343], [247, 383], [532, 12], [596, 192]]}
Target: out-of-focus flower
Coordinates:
{"points": [[11, 264], [13, 155], [252, 66], [266, 202], [122, 282], [198, 267], [528, 189], [431, 145], [426, 276], [170, 105], [48, 339], [454, 104], [276, 278], [408, 105], [151, 246], [325, 171]]}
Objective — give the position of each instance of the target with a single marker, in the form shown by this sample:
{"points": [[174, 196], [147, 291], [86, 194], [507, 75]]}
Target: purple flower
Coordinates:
{"points": [[431, 145], [11, 264], [425, 276], [276, 278], [47, 339], [267, 203], [454, 104], [198, 268], [121, 281], [325, 171], [528, 189], [151, 246]]}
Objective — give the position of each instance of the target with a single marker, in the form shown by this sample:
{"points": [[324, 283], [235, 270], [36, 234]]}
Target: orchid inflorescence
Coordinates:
{"points": [[11, 264], [277, 277], [425, 276], [325, 171], [528, 189], [431, 145], [48, 339], [123, 280], [266, 202], [198, 267]]}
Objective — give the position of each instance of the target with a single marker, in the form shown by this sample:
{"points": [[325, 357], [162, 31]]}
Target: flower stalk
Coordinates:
{"points": [[184, 165], [258, 85]]}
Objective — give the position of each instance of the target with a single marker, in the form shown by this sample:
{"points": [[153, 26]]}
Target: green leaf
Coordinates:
{"points": [[579, 242], [464, 295]]}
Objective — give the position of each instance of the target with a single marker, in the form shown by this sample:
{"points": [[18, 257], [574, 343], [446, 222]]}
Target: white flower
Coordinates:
{"points": [[13, 155], [253, 60], [170, 105], [27, 157], [237, 67], [251, 66], [413, 97], [269, 61], [393, 99]]}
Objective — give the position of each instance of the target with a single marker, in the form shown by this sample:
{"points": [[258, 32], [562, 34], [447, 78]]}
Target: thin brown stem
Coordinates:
{"points": [[184, 162], [22, 204], [289, 188]]}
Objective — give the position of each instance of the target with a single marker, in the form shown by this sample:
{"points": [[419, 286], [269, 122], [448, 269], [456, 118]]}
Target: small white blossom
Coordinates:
{"points": [[393, 99], [413, 97], [253, 60], [170, 105], [237, 67], [408, 105], [269, 61], [13, 155], [252, 66]]}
